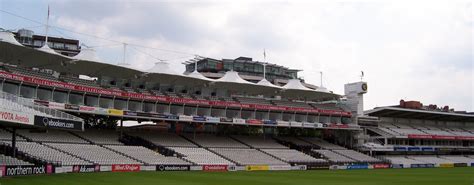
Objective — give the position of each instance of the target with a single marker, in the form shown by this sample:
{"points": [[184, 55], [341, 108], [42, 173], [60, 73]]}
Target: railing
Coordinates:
{"points": [[29, 103]]}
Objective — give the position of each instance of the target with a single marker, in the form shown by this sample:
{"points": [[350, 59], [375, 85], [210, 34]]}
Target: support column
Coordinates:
{"points": [[14, 142]]}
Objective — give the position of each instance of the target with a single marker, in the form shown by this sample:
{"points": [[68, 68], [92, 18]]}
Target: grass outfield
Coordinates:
{"points": [[428, 176]]}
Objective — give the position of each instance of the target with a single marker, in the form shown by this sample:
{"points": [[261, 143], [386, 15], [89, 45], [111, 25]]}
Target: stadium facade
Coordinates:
{"points": [[218, 115]]}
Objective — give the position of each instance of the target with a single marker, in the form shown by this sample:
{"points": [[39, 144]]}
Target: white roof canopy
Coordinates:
{"points": [[163, 68], [198, 75], [87, 54], [265, 82], [296, 85], [232, 77], [9, 37]]}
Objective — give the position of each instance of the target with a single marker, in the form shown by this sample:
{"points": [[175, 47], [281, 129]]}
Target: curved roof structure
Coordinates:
{"points": [[87, 63]]}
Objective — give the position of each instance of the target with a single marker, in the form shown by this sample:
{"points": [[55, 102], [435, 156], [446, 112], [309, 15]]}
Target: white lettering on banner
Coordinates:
{"points": [[185, 118], [238, 121], [55, 105], [57, 123]]}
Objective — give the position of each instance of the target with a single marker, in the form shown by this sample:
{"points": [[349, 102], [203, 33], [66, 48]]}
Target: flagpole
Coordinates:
{"points": [[264, 64], [47, 26]]}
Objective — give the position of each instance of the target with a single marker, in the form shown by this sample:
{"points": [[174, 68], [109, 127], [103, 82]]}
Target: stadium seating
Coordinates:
{"points": [[251, 100], [207, 140], [164, 139], [259, 142], [146, 155], [94, 153], [105, 137], [7, 160], [288, 103], [457, 158], [53, 136], [357, 156], [7, 136], [48, 154], [397, 159], [248, 156], [431, 159], [334, 157], [78, 81], [323, 144], [200, 156], [293, 156], [295, 141]]}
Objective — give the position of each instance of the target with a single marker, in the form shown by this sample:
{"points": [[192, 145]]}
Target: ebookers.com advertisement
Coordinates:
{"points": [[57, 123], [172, 168]]}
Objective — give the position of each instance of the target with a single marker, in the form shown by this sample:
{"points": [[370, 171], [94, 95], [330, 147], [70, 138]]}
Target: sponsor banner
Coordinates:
{"points": [[334, 125], [215, 168], [299, 167], [338, 167], [446, 165], [472, 164], [100, 110], [126, 168], [27, 170], [232, 168], [16, 117], [227, 120], [254, 122], [357, 166], [85, 168], [381, 166], [197, 118], [111, 92], [71, 107], [130, 113], [257, 168], [400, 148], [115, 112], [430, 149], [238, 121], [58, 123], [172, 168], [269, 122], [460, 164], [317, 167], [195, 168], [465, 137], [105, 168], [66, 169], [2, 171], [87, 109], [283, 123], [396, 166], [413, 148], [185, 118], [55, 105], [422, 166], [148, 168], [280, 168], [172, 116], [41, 102], [213, 120], [240, 168], [296, 124], [309, 125]]}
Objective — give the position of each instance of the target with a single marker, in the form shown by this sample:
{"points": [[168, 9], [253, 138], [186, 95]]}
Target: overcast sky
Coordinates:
{"points": [[408, 50]]}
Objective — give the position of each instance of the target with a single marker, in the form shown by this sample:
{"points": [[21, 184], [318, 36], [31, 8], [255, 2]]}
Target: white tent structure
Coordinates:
{"points": [[88, 54], [8, 37], [232, 81], [296, 90]]}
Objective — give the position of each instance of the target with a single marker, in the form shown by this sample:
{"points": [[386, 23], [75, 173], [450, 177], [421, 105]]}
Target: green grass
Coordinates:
{"points": [[430, 176]]}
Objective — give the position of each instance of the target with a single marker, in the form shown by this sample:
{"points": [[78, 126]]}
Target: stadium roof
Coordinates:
{"points": [[86, 63], [398, 112]]}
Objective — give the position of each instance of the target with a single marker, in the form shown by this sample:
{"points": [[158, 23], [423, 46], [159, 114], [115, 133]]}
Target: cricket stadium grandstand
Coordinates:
{"points": [[62, 110]]}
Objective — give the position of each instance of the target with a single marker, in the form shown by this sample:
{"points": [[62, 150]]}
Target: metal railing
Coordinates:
{"points": [[30, 103]]}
